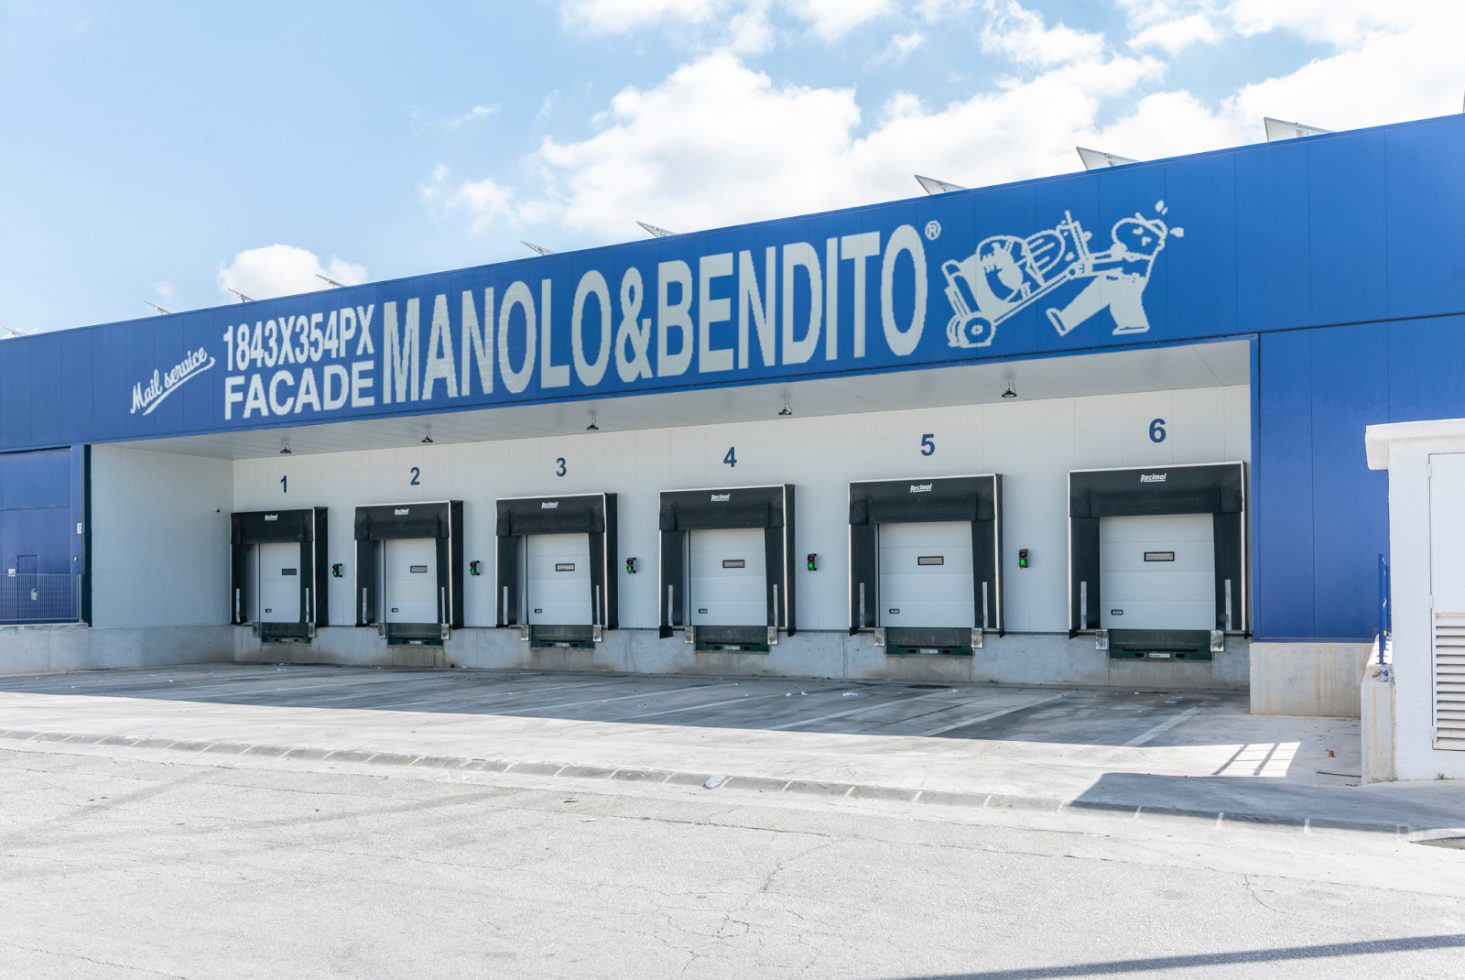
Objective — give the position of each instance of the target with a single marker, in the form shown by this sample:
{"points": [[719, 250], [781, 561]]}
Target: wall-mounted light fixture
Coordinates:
{"points": [[1011, 392]]}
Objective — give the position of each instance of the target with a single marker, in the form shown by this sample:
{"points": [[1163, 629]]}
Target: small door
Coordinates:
{"points": [[279, 582], [557, 579], [926, 574], [409, 581], [728, 580], [1157, 572]]}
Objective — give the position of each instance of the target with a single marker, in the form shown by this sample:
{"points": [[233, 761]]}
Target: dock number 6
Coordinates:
{"points": [[1157, 430]]}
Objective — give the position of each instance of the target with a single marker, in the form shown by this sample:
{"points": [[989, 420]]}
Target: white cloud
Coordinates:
{"points": [[1388, 76], [1344, 22], [902, 46], [1023, 36], [1407, 71], [283, 270], [475, 114], [833, 19], [485, 202], [742, 26], [717, 142], [164, 291], [619, 16], [1173, 36]]}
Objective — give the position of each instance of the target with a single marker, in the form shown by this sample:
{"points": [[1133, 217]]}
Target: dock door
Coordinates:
{"points": [[278, 573], [727, 566], [1157, 559], [555, 556], [409, 570], [925, 562]]}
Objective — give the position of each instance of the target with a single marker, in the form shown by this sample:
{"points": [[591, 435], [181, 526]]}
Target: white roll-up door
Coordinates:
{"points": [[409, 581], [926, 574], [1158, 572], [557, 579], [279, 582], [727, 580]]}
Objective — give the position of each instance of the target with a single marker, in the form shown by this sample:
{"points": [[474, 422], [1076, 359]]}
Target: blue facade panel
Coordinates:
{"points": [[1321, 514], [1282, 481], [42, 502]]}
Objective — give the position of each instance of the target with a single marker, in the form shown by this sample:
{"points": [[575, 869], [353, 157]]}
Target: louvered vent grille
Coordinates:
{"points": [[1449, 680]]}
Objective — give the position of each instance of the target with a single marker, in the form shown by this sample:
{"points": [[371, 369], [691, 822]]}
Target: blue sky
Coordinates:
{"points": [[163, 151]]}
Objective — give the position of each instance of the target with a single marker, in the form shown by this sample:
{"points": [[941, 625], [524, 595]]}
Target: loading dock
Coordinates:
{"points": [[278, 572], [727, 566], [409, 560], [554, 560], [925, 562], [1157, 559]]}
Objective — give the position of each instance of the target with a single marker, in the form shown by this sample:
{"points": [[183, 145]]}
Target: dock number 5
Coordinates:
{"points": [[928, 443], [1157, 430]]}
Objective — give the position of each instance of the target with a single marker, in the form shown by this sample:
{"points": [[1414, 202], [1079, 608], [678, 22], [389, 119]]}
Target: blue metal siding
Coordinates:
{"points": [[1321, 514], [1283, 505], [42, 499], [1350, 501]]}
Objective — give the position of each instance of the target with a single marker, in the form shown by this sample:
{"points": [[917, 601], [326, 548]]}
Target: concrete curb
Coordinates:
{"points": [[758, 784]]}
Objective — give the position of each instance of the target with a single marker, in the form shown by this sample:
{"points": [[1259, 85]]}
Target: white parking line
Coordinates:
{"points": [[706, 704], [1164, 726], [852, 711], [989, 716], [623, 697]]}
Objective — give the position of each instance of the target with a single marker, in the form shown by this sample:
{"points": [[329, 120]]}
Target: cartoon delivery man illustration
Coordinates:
{"points": [[1006, 274], [1119, 276]]}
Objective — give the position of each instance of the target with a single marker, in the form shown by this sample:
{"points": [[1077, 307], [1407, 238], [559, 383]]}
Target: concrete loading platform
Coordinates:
{"points": [[1197, 754]]}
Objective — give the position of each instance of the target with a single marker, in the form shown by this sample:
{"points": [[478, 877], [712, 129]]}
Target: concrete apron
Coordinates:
{"points": [[1031, 659], [1189, 755]]}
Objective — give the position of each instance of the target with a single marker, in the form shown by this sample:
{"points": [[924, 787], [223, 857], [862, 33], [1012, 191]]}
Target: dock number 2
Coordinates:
{"points": [[416, 480]]}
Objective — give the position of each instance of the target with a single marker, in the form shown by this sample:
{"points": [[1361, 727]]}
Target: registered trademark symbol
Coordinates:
{"points": [[933, 230]]}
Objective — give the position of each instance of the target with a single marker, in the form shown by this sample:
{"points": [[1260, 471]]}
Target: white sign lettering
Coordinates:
{"points": [[148, 396]]}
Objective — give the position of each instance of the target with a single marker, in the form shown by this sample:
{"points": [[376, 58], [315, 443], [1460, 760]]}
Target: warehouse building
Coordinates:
{"points": [[1102, 428]]}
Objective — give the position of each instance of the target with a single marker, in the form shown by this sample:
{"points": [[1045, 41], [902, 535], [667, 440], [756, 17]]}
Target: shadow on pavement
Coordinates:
{"points": [[1410, 944], [1379, 807]]}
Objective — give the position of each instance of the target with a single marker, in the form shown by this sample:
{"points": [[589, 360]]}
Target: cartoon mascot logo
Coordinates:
{"points": [[1007, 274]]}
